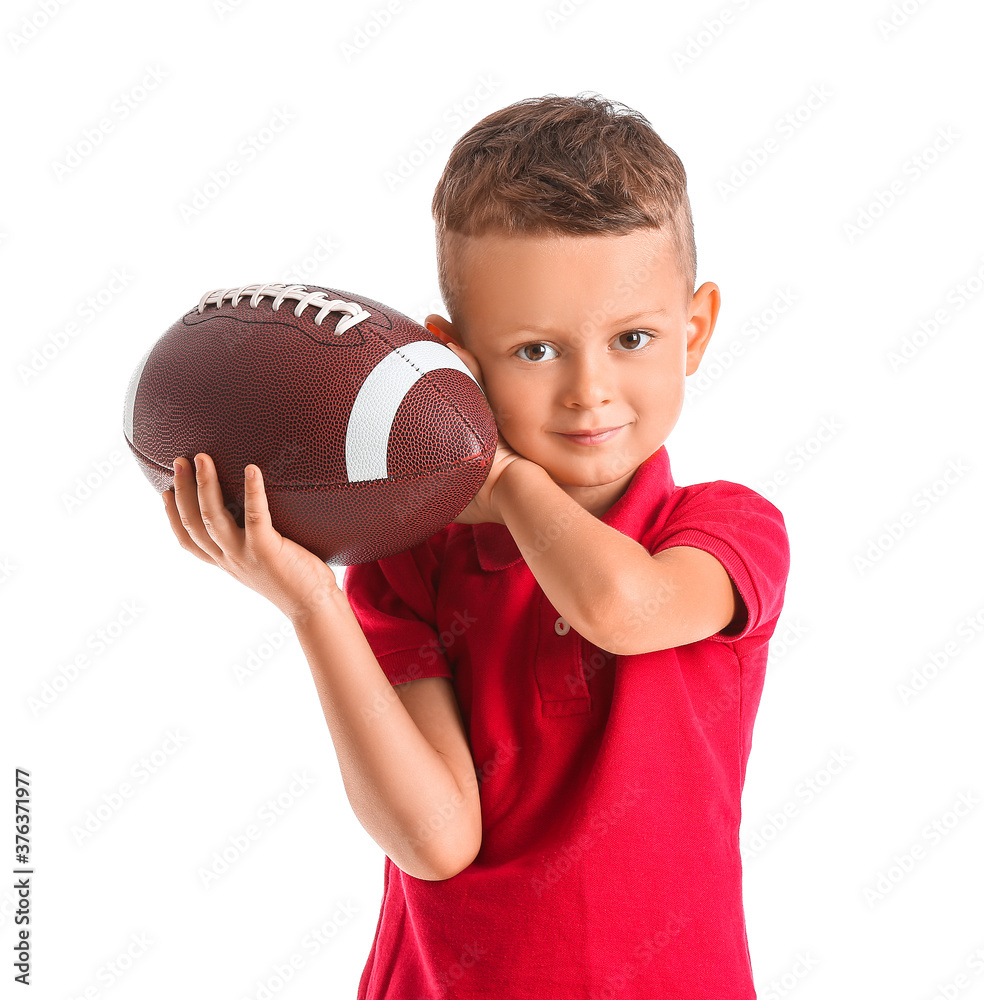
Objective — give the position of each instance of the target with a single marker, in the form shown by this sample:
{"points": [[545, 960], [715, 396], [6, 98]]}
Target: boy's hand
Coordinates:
{"points": [[482, 508], [289, 575]]}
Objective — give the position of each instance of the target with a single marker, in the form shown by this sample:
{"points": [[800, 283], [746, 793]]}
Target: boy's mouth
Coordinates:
{"points": [[597, 435]]}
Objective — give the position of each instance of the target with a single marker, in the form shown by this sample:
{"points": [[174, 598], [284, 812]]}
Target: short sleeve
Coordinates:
{"points": [[393, 600], [748, 535]]}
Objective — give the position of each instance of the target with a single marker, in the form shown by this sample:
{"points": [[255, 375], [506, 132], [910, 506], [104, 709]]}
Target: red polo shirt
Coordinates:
{"points": [[610, 785]]}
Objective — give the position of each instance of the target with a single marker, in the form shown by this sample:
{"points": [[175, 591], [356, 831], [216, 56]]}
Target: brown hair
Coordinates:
{"points": [[571, 165]]}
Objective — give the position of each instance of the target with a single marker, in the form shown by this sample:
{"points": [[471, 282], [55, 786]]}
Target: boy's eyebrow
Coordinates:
{"points": [[617, 322]]}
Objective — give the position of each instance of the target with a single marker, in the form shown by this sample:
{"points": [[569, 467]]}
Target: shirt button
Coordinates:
{"points": [[561, 627]]}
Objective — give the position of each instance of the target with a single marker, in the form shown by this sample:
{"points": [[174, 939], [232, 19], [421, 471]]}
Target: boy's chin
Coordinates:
{"points": [[589, 470]]}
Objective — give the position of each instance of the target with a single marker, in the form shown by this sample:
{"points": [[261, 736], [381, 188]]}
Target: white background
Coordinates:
{"points": [[849, 890]]}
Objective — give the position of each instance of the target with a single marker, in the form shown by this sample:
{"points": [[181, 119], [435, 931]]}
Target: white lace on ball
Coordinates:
{"points": [[278, 292]]}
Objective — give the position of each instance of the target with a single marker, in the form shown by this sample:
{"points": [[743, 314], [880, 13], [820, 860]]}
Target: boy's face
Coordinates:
{"points": [[577, 333]]}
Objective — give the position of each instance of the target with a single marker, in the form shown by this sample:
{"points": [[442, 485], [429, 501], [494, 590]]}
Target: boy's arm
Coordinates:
{"points": [[403, 754], [404, 757], [606, 585]]}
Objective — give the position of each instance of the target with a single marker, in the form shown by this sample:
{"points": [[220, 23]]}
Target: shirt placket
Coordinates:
{"points": [[559, 665]]}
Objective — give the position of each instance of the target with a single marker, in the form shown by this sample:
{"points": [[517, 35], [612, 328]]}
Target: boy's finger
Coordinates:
{"points": [[216, 519], [187, 502], [184, 539], [256, 512]]}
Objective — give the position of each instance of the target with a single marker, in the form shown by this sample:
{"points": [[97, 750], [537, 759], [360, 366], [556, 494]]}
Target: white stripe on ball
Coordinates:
{"points": [[380, 396], [131, 395]]}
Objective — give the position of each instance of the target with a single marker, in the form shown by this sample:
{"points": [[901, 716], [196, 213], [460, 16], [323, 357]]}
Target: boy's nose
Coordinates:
{"points": [[589, 383]]}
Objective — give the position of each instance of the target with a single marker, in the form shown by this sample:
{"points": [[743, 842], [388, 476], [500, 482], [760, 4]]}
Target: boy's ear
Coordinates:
{"points": [[441, 328], [703, 315]]}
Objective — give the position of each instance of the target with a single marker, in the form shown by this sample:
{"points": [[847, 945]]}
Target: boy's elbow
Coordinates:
{"points": [[462, 863], [449, 863]]}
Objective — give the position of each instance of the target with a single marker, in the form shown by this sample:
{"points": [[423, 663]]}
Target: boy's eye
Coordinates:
{"points": [[536, 345], [633, 335], [637, 343]]}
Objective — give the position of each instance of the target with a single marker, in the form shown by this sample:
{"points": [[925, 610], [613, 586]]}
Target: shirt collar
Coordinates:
{"points": [[650, 486]]}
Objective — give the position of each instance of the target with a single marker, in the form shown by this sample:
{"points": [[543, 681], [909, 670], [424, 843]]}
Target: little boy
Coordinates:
{"points": [[577, 661]]}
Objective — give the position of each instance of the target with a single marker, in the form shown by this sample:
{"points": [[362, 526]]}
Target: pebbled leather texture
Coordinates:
{"points": [[369, 441]]}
